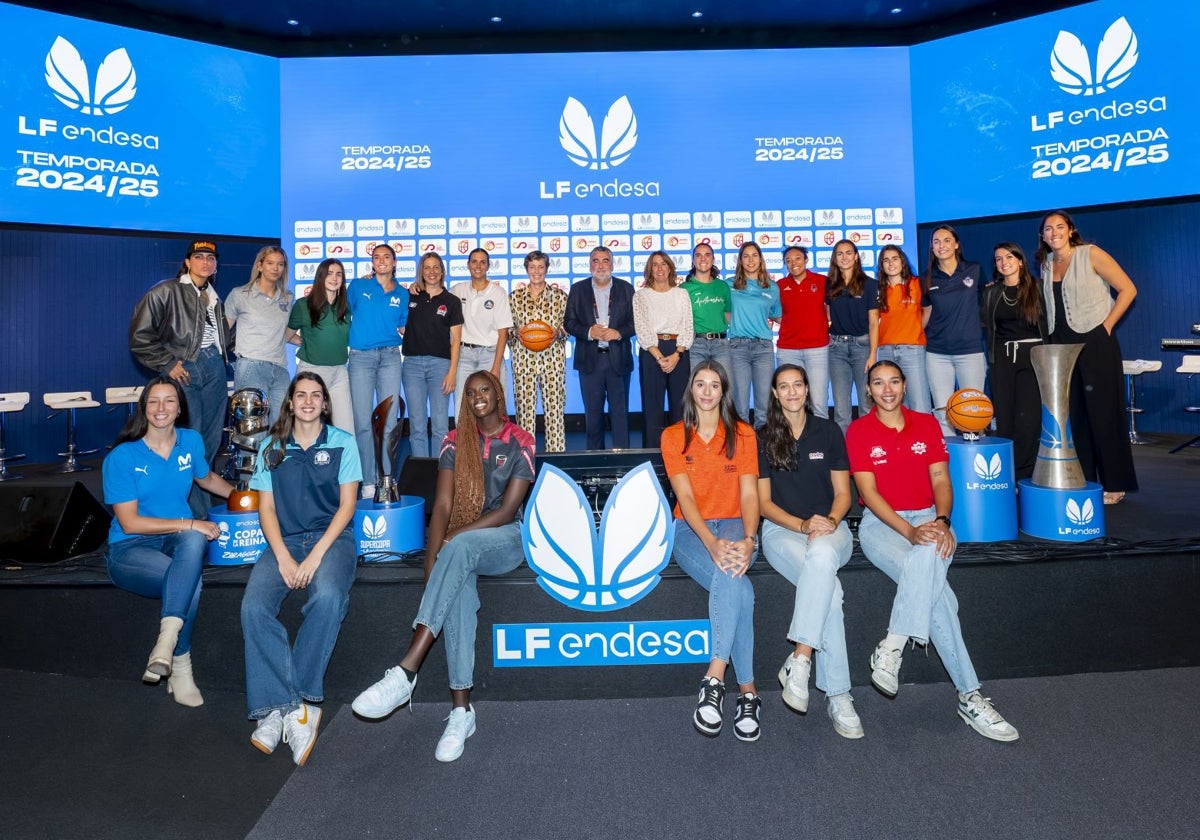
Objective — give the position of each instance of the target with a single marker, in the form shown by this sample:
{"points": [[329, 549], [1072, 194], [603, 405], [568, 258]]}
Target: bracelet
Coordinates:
{"points": [[832, 520], [181, 528]]}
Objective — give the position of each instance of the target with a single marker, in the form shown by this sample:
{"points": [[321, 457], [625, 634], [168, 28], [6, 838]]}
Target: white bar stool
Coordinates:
{"points": [[15, 401], [1190, 367], [1133, 369], [127, 397], [69, 401]]}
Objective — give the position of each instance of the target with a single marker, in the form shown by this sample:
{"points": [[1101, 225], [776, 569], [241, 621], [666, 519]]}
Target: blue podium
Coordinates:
{"points": [[985, 489], [241, 539], [384, 532], [1063, 515]]}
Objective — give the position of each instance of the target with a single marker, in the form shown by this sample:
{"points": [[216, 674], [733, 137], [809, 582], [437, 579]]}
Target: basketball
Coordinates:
{"points": [[537, 336], [243, 501], [969, 410]]}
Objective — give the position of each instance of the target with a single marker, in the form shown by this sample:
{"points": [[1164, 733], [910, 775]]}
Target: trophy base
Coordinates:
{"points": [[1061, 515], [385, 532]]}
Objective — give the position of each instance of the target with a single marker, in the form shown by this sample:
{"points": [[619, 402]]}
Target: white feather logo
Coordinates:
{"points": [[1071, 67], [618, 134], [985, 469], [374, 530], [609, 571], [1078, 515], [67, 76]]}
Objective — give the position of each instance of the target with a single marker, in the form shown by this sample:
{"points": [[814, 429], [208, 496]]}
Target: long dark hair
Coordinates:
{"points": [[776, 434], [838, 284], [932, 262], [905, 274], [276, 447], [713, 272], [1029, 300], [739, 275], [318, 302], [469, 487], [135, 427], [728, 414], [1074, 236]]}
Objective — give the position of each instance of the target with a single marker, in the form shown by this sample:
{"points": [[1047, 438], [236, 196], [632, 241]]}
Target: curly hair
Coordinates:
{"points": [[469, 487]]}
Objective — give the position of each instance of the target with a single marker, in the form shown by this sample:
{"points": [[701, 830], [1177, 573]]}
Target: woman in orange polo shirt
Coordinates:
{"points": [[896, 324], [712, 461]]}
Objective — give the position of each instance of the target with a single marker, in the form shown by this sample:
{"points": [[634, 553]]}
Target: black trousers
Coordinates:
{"points": [[1017, 401], [656, 385]]}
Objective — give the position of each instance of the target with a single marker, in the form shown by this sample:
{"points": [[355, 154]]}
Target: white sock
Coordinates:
{"points": [[894, 641]]}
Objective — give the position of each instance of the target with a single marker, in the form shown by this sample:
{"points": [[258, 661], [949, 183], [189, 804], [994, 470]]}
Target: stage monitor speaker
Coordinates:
{"points": [[418, 477], [49, 524]]}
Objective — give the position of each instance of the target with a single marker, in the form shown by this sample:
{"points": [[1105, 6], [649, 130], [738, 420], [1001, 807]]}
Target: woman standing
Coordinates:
{"points": [[711, 308], [1014, 319], [951, 290], [900, 465], [431, 348], [155, 547], [896, 324], [259, 311], [804, 493], [1078, 281], [485, 470], [851, 296], [751, 340], [710, 458], [307, 477], [540, 369], [804, 325], [662, 317], [320, 325]]}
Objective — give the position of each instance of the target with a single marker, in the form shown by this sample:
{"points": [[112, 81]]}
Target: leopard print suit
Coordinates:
{"points": [[545, 369]]}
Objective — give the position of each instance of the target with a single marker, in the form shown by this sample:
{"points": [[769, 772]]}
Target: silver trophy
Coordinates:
{"points": [[1057, 464], [249, 409]]}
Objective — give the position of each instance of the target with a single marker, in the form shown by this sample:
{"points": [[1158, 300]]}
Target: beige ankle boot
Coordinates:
{"points": [[181, 684], [159, 665]]}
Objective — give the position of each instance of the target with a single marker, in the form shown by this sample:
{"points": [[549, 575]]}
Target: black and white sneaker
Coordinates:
{"points": [[707, 718], [745, 721]]}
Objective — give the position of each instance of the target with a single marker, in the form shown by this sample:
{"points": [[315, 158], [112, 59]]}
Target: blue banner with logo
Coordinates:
{"points": [[601, 643]]}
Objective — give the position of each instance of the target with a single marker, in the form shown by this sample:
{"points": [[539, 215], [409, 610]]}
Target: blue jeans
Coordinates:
{"points": [[163, 566], [969, 369], [811, 565], [752, 362], [207, 393], [716, 349], [730, 599], [471, 359], [423, 377], [925, 608], [848, 356], [269, 377], [911, 359], [280, 675], [374, 374], [815, 361], [451, 599]]}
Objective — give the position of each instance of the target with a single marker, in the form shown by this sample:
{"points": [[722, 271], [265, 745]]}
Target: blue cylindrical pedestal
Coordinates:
{"points": [[985, 489], [1063, 515], [384, 532], [241, 539]]}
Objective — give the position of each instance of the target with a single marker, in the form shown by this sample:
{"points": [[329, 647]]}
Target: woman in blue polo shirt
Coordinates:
{"points": [[755, 299], [379, 310], [155, 547], [307, 477], [484, 472]]}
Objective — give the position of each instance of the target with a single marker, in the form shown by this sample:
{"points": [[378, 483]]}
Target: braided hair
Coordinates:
{"points": [[469, 487]]}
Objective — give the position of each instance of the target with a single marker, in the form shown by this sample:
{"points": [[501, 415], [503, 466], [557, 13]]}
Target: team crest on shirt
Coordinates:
{"points": [[184, 461], [877, 452], [919, 447], [968, 282], [489, 304], [813, 288], [321, 458], [501, 460], [441, 311], [816, 456]]}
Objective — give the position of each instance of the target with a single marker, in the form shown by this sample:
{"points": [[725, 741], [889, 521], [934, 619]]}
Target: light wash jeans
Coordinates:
{"points": [[451, 599], [970, 369], [337, 380], [730, 599], [811, 565], [716, 349], [207, 393], [163, 566], [374, 375], [752, 362], [925, 608], [280, 675], [815, 361], [471, 359], [423, 377], [911, 359], [268, 377], [848, 366]]}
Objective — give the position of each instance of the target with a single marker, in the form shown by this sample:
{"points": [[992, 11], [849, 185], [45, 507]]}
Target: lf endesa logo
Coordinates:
{"points": [[608, 149]]}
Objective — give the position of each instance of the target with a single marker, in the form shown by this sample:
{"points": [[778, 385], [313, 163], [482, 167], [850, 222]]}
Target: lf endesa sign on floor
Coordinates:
{"points": [[599, 572]]}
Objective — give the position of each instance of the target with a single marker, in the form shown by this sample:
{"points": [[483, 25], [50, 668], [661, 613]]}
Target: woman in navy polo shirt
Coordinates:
{"points": [[431, 348], [485, 470], [951, 291], [804, 493], [851, 342], [155, 547], [307, 477], [900, 465]]}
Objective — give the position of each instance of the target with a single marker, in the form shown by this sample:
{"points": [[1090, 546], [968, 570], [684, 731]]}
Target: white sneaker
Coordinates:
{"points": [[845, 719], [300, 731], [460, 727], [385, 696], [268, 732], [885, 669], [793, 676], [978, 711]]}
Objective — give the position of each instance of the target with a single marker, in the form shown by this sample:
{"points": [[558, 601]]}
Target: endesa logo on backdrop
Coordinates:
{"points": [[606, 149]]}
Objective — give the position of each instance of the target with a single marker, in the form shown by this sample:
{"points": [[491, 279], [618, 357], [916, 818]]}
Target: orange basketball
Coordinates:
{"points": [[537, 336], [243, 501], [969, 410]]}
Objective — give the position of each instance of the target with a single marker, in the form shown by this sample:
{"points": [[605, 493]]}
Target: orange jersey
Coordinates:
{"points": [[901, 324], [714, 478]]}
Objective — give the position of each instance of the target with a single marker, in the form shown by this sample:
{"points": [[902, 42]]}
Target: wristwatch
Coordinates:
{"points": [[943, 518]]}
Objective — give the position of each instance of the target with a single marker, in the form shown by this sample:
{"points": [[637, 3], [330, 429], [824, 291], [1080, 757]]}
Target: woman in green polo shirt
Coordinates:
{"points": [[320, 325]]}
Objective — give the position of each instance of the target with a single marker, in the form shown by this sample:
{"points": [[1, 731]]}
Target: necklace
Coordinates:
{"points": [[1010, 301]]}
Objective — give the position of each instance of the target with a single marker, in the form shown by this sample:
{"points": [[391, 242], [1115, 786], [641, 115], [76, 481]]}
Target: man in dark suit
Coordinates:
{"points": [[600, 316]]}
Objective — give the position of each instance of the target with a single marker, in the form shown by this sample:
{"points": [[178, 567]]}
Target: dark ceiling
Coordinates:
{"points": [[328, 27]]}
